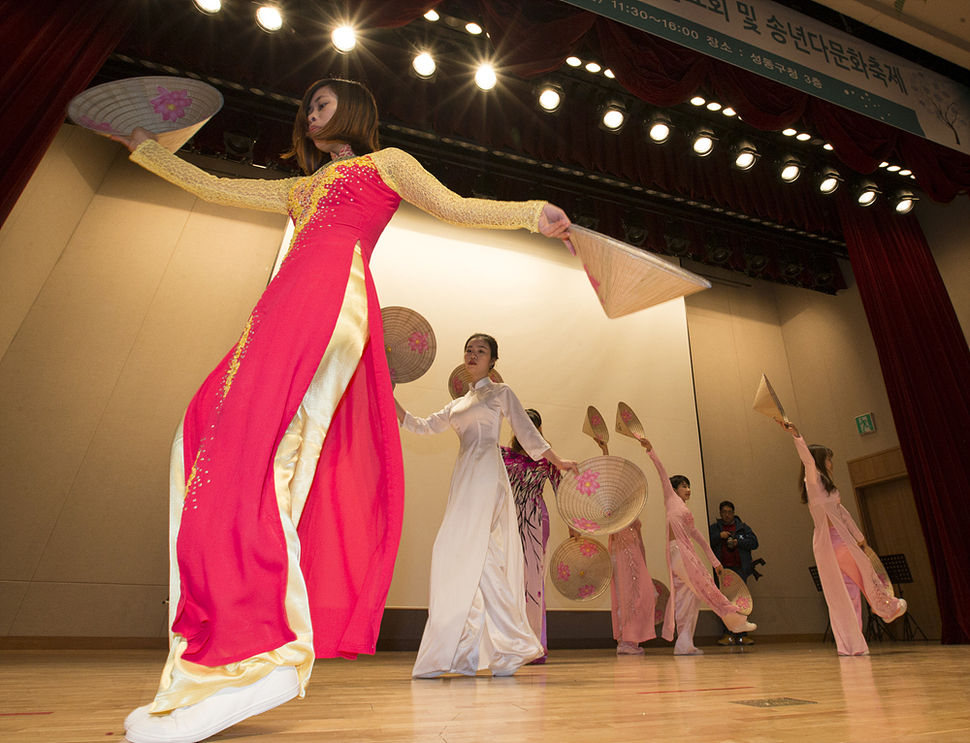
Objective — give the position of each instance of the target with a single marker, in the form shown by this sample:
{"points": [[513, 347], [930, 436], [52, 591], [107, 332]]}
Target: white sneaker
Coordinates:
{"points": [[136, 715], [223, 709]]}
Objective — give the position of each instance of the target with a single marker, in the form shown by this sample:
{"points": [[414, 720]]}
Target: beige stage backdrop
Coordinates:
{"points": [[119, 292]]}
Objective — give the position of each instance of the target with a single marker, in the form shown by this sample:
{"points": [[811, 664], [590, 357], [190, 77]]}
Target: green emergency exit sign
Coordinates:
{"points": [[864, 424]]}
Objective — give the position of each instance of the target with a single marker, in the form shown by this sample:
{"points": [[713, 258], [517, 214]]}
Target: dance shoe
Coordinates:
{"points": [[738, 623], [628, 648], [899, 612], [726, 640], [214, 714], [137, 715]]}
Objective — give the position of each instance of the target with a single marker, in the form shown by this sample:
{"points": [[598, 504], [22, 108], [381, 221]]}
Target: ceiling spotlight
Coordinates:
{"points": [[789, 132], [697, 101], [789, 169], [609, 73], [269, 18], [574, 61], [675, 235], [344, 39], [803, 137], [423, 66], [828, 147], [905, 171], [209, 6], [729, 111], [584, 215], [718, 249], [703, 141], [485, 77], [866, 193], [755, 260], [550, 98], [827, 180], [714, 106], [613, 117], [883, 164], [473, 28], [634, 229], [744, 155], [658, 128], [432, 15], [593, 67], [904, 201], [791, 265]]}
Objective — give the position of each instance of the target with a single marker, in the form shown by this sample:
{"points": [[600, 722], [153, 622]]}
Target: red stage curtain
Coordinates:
{"points": [[50, 52], [926, 366]]}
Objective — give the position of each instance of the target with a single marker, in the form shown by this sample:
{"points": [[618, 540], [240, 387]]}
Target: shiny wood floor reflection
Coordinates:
{"points": [[901, 693]]}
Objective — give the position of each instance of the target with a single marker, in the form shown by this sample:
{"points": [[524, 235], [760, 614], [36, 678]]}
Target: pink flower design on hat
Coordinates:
{"points": [[393, 373], [595, 420], [627, 416], [171, 104], [586, 591], [588, 482], [98, 126], [585, 524], [418, 341], [743, 603], [592, 279], [562, 571], [457, 385], [588, 549]]}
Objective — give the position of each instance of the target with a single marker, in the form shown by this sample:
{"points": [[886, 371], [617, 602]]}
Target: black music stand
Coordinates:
{"points": [[897, 569], [818, 584]]}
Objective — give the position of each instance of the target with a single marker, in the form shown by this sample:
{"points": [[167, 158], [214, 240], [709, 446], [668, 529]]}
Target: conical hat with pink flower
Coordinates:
{"points": [[409, 343], [606, 496], [627, 279], [595, 425], [174, 108], [581, 568]]}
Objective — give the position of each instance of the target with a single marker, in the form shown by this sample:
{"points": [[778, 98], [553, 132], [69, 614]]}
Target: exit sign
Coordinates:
{"points": [[864, 424]]}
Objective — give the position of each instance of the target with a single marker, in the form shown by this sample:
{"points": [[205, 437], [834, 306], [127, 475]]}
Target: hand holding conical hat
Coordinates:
{"points": [[595, 427], [627, 422], [736, 591], [879, 568], [409, 343], [606, 496], [628, 279], [767, 403], [172, 108]]}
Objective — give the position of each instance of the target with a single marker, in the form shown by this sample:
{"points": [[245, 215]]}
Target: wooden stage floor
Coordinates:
{"points": [[786, 693]]}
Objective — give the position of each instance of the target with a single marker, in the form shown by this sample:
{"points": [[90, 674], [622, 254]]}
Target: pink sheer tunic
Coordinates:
{"points": [[827, 511], [632, 594]]}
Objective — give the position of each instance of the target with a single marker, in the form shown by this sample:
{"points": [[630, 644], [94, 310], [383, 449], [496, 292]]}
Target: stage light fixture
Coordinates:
{"points": [[675, 235], [344, 39], [574, 61], [612, 116], [550, 98], [827, 180], [755, 260], [584, 215], [697, 101], [714, 106], [791, 264], [803, 136], [485, 77], [703, 141], [659, 127], [269, 18], [866, 192], [423, 66], [593, 67], [904, 201], [718, 248], [432, 15], [789, 169], [789, 132], [208, 6], [473, 28], [634, 229], [744, 155], [609, 73]]}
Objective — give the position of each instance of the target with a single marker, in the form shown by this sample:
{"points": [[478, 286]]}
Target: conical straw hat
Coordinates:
{"points": [[458, 381], [174, 108], [627, 279], [627, 422], [879, 568], [594, 425], [581, 568], [606, 496], [767, 403], [409, 343], [735, 591], [660, 606]]}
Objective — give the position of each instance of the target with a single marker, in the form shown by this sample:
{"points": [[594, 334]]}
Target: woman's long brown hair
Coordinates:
{"points": [[819, 454], [354, 122]]}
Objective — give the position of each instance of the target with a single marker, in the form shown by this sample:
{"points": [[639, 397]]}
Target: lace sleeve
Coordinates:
{"points": [[417, 186], [264, 195]]}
